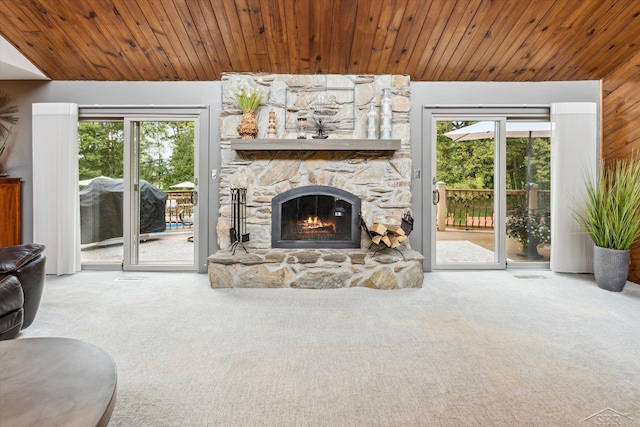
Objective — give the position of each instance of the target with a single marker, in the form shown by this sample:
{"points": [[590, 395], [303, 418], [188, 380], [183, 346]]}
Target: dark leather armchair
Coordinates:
{"points": [[22, 275]]}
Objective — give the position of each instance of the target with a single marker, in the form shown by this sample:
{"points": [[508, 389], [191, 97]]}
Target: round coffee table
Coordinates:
{"points": [[55, 382]]}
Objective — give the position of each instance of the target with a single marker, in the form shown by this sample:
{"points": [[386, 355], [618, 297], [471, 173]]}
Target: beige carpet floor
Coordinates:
{"points": [[505, 348]]}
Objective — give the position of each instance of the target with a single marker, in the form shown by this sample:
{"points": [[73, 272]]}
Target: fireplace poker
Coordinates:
{"points": [[238, 231]]}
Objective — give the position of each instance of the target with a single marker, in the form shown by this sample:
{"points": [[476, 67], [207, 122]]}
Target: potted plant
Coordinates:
{"points": [[531, 228], [248, 99], [610, 214]]}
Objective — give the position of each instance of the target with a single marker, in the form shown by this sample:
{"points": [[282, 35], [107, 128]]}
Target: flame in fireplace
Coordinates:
{"points": [[313, 224], [314, 221]]}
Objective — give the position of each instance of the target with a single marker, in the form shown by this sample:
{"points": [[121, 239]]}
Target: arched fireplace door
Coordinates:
{"points": [[315, 216]]}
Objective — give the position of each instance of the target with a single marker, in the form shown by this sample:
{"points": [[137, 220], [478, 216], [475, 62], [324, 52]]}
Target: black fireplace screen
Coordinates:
{"points": [[315, 217]]}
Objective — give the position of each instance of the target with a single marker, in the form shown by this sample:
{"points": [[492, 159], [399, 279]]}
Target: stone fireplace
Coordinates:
{"points": [[315, 216], [304, 203]]}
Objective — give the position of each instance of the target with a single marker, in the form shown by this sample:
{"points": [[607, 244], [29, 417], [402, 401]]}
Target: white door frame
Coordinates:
{"points": [[131, 223], [510, 112], [499, 184], [201, 163]]}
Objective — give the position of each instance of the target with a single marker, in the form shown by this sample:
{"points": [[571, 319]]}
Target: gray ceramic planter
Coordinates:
{"points": [[611, 268]]}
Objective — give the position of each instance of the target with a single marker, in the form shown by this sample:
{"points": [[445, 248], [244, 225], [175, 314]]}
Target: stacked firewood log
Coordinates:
{"points": [[389, 236]]}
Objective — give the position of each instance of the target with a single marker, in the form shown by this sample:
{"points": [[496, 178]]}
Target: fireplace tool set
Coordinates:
{"points": [[238, 231]]}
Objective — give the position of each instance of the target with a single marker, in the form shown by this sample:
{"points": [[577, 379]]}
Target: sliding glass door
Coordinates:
{"points": [[488, 194], [139, 193], [467, 192], [101, 177], [160, 194]]}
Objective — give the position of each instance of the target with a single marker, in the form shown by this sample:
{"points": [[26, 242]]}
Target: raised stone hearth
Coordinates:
{"points": [[316, 269]]}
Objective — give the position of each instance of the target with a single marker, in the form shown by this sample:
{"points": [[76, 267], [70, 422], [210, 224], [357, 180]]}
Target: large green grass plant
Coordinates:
{"points": [[610, 213]]}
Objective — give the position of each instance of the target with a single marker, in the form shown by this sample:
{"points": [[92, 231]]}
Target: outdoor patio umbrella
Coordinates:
{"points": [[184, 184], [89, 181], [482, 130]]}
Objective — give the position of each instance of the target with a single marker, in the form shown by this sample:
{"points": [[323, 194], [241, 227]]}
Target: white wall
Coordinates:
{"points": [[23, 93]]}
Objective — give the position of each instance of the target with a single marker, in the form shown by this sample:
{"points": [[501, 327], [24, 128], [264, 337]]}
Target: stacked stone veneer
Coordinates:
{"points": [[315, 269], [381, 179]]}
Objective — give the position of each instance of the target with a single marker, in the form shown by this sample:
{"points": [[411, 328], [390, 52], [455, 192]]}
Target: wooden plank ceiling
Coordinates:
{"points": [[431, 40]]}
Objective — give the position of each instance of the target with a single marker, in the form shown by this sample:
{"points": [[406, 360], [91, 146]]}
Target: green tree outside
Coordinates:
{"points": [[100, 149], [154, 140], [166, 151], [182, 161], [469, 164], [464, 164]]}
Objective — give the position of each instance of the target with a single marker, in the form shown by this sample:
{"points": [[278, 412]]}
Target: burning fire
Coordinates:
{"points": [[313, 224]]}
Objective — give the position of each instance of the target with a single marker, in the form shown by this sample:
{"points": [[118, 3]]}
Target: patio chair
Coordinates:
{"points": [[187, 221]]}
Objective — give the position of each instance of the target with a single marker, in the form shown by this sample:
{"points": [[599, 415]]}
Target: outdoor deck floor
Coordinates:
{"points": [[485, 239], [174, 248], [161, 248]]}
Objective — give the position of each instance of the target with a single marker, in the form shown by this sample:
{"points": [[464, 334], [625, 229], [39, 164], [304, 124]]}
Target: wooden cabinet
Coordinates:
{"points": [[9, 211]]}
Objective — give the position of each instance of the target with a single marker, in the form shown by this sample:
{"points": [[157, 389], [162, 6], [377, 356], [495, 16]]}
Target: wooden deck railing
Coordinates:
{"points": [[468, 208], [178, 202]]}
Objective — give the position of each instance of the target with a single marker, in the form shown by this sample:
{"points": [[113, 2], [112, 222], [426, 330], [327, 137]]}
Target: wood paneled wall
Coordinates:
{"points": [[621, 125]]}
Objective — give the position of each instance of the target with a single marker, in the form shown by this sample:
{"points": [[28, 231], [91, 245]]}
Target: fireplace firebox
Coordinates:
{"points": [[315, 216]]}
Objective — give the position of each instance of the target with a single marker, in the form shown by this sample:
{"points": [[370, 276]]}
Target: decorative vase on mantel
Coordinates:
{"points": [[372, 122], [385, 114], [248, 127]]}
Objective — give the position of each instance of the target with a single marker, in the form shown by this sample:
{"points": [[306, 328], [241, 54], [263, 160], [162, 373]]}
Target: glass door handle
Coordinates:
{"points": [[436, 197]]}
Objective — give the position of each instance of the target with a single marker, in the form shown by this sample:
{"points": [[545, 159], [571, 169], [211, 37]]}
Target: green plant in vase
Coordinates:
{"points": [[248, 99], [610, 214]]}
